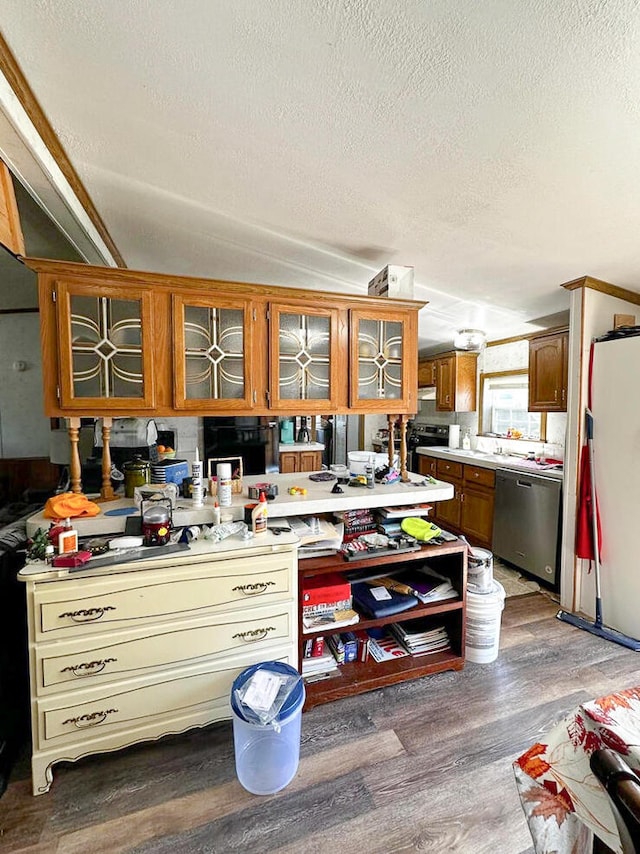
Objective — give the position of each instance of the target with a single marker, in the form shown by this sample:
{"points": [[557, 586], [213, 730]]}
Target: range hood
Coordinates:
{"points": [[427, 393]]}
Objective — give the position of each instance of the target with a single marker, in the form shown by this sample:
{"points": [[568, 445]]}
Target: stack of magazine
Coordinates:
{"points": [[420, 637]]}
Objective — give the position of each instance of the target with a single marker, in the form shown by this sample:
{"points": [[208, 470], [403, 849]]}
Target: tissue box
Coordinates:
{"points": [[393, 281]]}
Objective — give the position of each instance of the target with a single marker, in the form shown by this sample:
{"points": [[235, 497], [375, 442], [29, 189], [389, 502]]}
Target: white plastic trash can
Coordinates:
{"points": [[267, 755], [484, 616]]}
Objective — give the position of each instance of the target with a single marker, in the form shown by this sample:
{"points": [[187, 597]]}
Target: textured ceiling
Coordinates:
{"points": [[492, 145]]}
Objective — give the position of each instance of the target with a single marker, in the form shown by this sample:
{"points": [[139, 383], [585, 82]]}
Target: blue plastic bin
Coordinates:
{"points": [[267, 760]]}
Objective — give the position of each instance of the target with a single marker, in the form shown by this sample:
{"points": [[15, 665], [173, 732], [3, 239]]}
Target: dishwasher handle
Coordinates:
{"points": [[524, 483]]}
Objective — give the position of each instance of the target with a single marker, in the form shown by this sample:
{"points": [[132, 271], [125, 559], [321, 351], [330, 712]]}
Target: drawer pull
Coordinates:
{"points": [[86, 615], [253, 589], [90, 668], [94, 719], [253, 635]]}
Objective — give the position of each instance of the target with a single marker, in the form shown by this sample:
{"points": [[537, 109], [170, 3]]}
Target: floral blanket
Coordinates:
{"points": [[563, 800]]}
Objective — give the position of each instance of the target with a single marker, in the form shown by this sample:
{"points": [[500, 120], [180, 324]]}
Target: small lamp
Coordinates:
{"points": [[469, 339]]}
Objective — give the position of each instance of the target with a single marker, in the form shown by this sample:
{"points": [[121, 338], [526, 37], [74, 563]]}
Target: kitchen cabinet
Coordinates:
{"points": [[212, 334], [448, 513], [426, 373], [383, 360], [105, 347], [427, 465], [548, 372], [456, 382], [357, 677], [299, 461], [119, 655], [470, 511], [477, 503], [115, 342], [10, 228], [305, 358]]}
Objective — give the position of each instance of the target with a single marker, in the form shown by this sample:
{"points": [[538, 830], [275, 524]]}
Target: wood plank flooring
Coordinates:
{"points": [[424, 766]]}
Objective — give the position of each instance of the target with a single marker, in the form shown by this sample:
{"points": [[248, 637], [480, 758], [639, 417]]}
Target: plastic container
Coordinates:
{"points": [[223, 472], [267, 760], [480, 571], [484, 616], [358, 461], [259, 516]]}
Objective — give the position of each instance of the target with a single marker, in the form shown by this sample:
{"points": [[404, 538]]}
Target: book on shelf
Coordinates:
{"points": [[421, 643], [425, 588], [324, 664], [336, 645], [336, 620], [379, 602], [405, 511], [386, 648]]}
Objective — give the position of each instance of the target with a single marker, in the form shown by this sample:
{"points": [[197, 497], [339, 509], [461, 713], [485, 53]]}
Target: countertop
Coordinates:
{"points": [[318, 499], [283, 447], [491, 461]]}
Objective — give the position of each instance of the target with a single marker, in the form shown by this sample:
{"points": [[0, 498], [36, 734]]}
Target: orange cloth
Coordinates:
{"points": [[69, 504]]}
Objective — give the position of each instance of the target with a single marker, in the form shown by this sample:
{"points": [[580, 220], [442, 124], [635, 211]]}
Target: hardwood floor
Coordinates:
{"points": [[424, 766]]}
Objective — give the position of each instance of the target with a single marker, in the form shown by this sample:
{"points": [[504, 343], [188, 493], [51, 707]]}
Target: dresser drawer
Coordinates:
{"points": [[96, 659], [447, 469], [116, 715], [87, 606], [480, 475]]}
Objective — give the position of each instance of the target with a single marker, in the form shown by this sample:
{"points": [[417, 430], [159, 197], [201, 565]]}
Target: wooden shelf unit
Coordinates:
{"points": [[449, 559]]}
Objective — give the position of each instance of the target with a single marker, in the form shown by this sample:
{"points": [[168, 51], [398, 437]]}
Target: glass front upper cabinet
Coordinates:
{"points": [[304, 358], [384, 360], [212, 337], [105, 351]]}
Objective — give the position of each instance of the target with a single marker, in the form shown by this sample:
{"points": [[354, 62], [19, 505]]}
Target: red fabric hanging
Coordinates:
{"points": [[585, 547]]}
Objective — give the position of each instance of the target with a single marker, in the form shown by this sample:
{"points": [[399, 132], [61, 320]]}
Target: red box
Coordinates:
{"points": [[325, 589]]}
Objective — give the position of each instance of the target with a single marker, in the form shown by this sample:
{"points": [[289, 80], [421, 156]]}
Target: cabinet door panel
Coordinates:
{"points": [[477, 514], [310, 461], [212, 353], [427, 465], [304, 357], [548, 373], [448, 512], [288, 462], [106, 347], [384, 363]]}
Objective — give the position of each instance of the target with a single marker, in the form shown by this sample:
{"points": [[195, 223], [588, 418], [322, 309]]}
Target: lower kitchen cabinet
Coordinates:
{"points": [[299, 461], [470, 511], [357, 677], [120, 655]]}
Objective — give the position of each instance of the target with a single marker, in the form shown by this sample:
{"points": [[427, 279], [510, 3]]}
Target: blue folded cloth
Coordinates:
{"points": [[365, 601]]}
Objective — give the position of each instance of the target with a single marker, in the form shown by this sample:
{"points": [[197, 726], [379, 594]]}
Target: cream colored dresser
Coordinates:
{"points": [[136, 651]]}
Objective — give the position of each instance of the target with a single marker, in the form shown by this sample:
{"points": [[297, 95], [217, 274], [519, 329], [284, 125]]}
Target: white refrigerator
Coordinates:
{"points": [[616, 445]]}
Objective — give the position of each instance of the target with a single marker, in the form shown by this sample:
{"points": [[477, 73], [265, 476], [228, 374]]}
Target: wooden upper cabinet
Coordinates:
{"points": [[426, 373], [306, 359], [116, 342], [10, 228], [104, 347], [384, 360], [456, 382], [211, 339], [548, 372]]}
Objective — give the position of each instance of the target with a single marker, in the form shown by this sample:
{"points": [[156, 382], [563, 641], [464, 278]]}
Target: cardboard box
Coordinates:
{"points": [[393, 281]]}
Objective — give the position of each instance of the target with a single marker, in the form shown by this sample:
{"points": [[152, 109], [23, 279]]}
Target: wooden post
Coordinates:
{"points": [[106, 493], [404, 475], [75, 469], [391, 447]]}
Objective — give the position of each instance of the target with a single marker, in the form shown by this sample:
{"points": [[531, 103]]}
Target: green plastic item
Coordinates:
{"points": [[421, 529]]}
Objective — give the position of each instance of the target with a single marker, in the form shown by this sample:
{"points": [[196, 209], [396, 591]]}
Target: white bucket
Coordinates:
{"points": [[480, 571], [484, 615]]}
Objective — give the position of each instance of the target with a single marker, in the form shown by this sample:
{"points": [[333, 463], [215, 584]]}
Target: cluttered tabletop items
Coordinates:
{"points": [[366, 516]]}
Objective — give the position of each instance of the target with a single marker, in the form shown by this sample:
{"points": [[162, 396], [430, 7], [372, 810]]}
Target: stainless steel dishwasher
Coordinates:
{"points": [[527, 523]]}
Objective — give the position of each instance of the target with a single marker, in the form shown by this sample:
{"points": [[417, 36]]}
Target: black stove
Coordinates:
{"points": [[425, 435]]}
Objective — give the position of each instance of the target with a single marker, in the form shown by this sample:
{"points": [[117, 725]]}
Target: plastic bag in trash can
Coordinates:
{"points": [[261, 697]]}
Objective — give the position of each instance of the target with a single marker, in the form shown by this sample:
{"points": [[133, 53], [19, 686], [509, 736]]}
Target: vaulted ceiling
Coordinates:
{"points": [[493, 146]]}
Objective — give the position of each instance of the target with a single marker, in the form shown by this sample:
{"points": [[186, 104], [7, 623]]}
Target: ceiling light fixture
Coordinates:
{"points": [[469, 339]]}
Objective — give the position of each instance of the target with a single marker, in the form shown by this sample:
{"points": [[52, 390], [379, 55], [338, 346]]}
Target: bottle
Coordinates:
{"points": [[67, 539], [368, 470], [466, 441], [216, 513], [196, 481], [259, 515], [223, 471]]}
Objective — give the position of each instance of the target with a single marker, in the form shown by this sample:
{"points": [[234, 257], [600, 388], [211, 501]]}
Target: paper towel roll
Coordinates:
{"points": [[454, 435]]}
